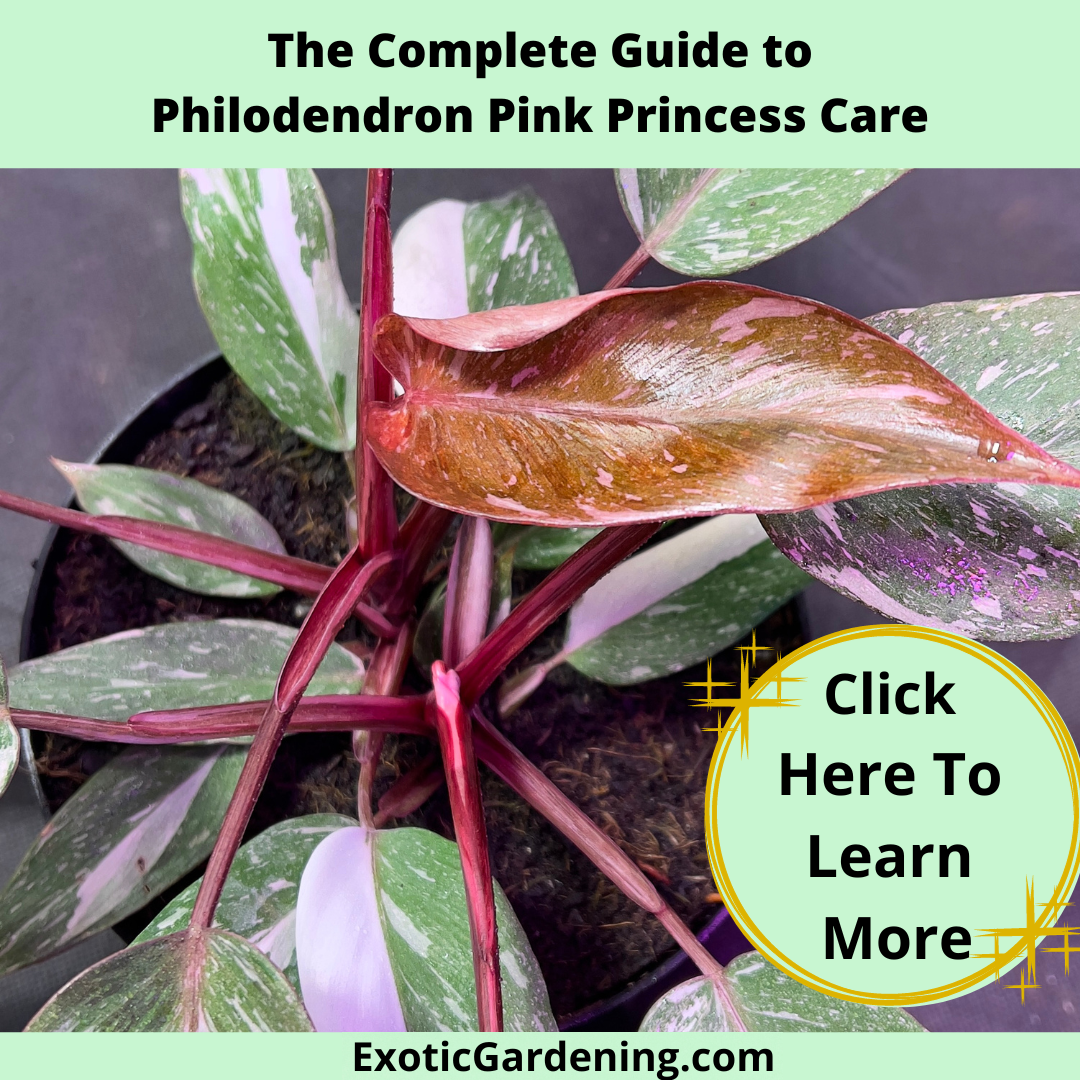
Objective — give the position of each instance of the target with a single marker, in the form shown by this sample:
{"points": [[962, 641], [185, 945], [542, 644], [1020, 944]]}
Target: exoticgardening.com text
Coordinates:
{"points": [[489, 1057]]}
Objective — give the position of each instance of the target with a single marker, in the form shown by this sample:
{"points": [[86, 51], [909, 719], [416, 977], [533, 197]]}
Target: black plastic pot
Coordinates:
{"points": [[621, 1012], [189, 388]]}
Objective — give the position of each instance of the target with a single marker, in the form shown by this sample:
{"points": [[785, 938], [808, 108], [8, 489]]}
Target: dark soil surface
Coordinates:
{"points": [[635, 759]]}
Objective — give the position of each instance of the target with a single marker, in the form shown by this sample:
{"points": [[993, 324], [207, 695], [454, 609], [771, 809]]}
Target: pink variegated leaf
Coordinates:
{"points": [[640, 404]]}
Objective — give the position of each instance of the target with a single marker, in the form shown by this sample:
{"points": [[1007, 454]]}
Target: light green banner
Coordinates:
{"points": [[177, 1057], [779, 84]]}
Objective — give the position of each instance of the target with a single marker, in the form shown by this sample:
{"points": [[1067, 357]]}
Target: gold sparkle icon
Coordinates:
{"points": [[1023, 986], [1027, 937], [749, 696]]}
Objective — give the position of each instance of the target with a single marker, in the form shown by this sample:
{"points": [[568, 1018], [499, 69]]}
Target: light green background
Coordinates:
{"points": [[795, 1056], [1024, 830], [78, 81]]}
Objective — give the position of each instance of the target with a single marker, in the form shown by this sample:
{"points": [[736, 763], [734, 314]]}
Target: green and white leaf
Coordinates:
{"points": [[453, 257], [140, 823], [514, 253], [9, 735], [713, 222], [383, 939], [172, 666], [191, 981], [542, 548], [679, 601], [766, 999], [158, 496], [258, 901], [266, 274], [998, 562]]}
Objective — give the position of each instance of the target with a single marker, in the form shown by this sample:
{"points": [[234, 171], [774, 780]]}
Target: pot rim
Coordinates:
{"points": [[169, 399], [107, 448]]}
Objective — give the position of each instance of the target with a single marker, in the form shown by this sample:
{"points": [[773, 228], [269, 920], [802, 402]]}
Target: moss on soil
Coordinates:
{"points": [[633, 758]]}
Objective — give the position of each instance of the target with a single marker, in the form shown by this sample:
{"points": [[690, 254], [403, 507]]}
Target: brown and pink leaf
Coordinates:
{"points": [[638, 404]]}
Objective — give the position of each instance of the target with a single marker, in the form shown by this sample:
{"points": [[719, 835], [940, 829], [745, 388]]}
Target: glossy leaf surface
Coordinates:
{"points": [[259, 898], [514, 254], [704, 398], [191, 981], [383, 939], [679, 601], [138, 824], [544, 549], [709, 222], [158, 496], [766, 1000], [172, 666], [267, 277], [453, 257], [997, 562], [427, 936], [9, 735]]}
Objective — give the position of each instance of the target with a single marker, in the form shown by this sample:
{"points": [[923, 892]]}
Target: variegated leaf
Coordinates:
{"points": [[382, 939], [514, 254], [9, 735], [766, 999], [267, 277], [172, 666], [671, 606], [634, 405], [709, 222], [541, 548], [140, 823], [190, 981], [453, 257], [679, 602], [159, 496], [259, 898], [998, 562]]}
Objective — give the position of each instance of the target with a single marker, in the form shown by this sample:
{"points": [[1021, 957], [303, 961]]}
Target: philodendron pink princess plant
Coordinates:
{"points": [[885, 457]]}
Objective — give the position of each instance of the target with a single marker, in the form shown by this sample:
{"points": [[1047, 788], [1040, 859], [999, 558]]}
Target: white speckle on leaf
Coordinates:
{"points": [[987, 605], [990, 374], [405, 928]]}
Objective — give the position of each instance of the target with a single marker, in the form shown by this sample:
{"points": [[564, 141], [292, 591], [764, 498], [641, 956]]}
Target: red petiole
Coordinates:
{"points": [[301, 576], [326, 618], [454, 729], [377, 525], [395, 562]]}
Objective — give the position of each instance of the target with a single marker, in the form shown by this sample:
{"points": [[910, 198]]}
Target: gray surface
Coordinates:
{"points": [[97, 314]]}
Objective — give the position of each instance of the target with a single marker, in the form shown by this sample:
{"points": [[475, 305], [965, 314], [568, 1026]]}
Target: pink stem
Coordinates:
{"points": [[459, 763], [421, 534], [629, 269], [404, 715], [384, 676], [468, 590], [326, 618], [377, 521], [336, 712], [546, 603], [299, 575]]}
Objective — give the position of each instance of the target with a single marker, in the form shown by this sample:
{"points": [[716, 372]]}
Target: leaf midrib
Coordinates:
{"points": [[655, 412]]}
